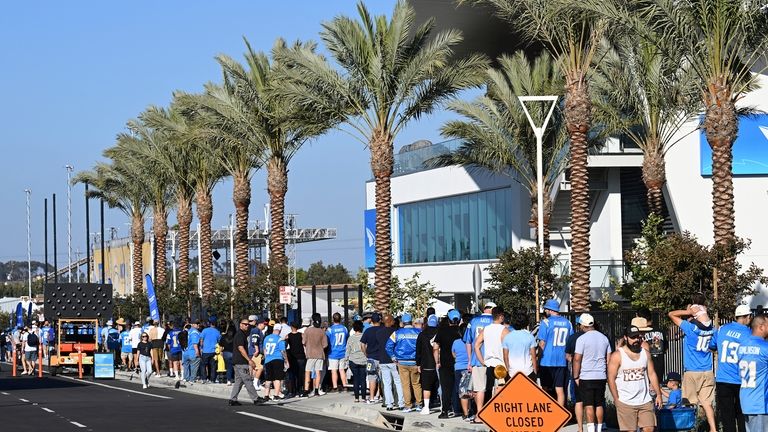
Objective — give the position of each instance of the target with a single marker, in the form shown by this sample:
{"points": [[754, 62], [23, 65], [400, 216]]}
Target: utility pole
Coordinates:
{"points": [[29, 247], [69, 169]]}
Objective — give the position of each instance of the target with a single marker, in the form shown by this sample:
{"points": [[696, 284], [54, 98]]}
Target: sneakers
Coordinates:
{"points": [[319, 392], [234, 403], [443, 415], [425, 411], [303, 395], [144, 386], [451, 414], [407, 409]]}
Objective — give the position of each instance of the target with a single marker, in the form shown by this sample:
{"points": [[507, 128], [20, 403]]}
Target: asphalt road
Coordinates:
{"points": [[68, 404]]}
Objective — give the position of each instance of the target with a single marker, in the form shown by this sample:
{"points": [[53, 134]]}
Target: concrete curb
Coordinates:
{"points": [[330, 405]]}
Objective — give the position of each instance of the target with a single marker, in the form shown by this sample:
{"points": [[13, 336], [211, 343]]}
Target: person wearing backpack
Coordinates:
{"points": [[30, 349]]}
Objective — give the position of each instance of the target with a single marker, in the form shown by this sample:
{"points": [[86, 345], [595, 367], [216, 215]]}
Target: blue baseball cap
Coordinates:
{"points": [[552, 305], [407, 318], [375, 317], [357, 318], [432, 321], [453, 314]]}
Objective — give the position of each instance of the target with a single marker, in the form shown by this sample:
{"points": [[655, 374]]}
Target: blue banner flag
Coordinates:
{"points": [[370, 238], [19, 315], [154, 313], [29, 313]]}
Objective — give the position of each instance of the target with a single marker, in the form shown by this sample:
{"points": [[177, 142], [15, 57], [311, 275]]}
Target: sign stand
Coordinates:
{"points": [[523, 406]]}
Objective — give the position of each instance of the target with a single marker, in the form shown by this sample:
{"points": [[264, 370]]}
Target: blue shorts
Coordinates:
{"points": [[553, 376]]}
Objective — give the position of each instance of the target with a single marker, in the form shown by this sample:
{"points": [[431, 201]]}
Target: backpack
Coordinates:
{"points": [[33, 340], [183, 339]]}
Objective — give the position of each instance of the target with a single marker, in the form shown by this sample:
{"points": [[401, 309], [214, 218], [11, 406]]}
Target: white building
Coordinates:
{"points": [[447, 220]]}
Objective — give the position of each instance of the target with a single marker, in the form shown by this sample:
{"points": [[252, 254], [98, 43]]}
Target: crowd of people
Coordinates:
{"points": [[454, 364]]}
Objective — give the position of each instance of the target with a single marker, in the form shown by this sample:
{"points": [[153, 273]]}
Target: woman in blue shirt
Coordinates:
{"points": [[459, 351]]}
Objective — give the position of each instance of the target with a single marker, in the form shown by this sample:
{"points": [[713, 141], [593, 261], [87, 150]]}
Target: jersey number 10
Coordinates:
{"points": [[559, 335]]}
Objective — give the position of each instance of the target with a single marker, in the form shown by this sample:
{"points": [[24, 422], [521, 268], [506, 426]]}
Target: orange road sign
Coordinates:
{"points": [[523, 406]]}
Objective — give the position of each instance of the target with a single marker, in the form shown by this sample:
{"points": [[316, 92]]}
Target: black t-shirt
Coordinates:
{"points": [[294, 346], [445, 337], [145, 348], [425, 354], [570, 343], [239, 341], [226, 341], [381, 337], [371, 340]]}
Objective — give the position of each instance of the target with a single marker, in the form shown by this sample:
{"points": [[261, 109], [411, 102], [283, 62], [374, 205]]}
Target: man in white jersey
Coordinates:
{"points": [[629, 372]]}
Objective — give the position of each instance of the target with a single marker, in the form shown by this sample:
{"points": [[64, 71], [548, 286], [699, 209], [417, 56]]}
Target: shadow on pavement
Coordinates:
{"points": [[34, 383]]}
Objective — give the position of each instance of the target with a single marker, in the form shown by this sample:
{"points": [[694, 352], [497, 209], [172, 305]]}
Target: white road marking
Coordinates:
{"points": [[78, 424], [279, 422], [6, 394], [24, 400], [47, 410], [116, 388]]}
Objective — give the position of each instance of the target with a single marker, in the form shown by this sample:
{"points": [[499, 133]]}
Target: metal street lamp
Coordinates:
{"points": [[69, 169], [29, 247], [539, 132]]}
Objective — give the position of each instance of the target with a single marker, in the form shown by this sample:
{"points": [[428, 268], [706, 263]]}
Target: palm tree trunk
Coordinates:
{"points": [[184, 218], [160, 228], [277, 187], [382, 165], [578, 116], [137, 237], [721, 125], [241, 195], [654, 177], [205, 214]]}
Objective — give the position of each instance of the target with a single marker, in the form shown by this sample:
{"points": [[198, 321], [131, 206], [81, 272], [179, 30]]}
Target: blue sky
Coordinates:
{"points": [[74, 72]]}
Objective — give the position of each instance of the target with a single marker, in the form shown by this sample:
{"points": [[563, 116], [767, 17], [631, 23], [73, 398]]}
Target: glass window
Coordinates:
{"points": [[459, 228]]}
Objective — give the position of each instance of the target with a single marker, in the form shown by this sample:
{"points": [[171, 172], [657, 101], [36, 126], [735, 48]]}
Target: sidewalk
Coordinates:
{"points": [[339, 405]]}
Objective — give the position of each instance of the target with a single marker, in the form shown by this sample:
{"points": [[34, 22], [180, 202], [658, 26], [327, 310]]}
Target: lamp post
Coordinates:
{"points": [[28, 192], [539, 132], [69, 169]]}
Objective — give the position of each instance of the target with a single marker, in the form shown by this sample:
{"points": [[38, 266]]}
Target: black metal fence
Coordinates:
{"points": [[345, 299]]}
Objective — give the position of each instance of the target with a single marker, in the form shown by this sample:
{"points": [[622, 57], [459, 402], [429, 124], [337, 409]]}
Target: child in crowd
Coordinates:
{"points": [[674, 394], [698, 311]]}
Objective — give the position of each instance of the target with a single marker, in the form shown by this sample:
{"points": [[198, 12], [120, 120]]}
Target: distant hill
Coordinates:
{"points": [[17, 270]]}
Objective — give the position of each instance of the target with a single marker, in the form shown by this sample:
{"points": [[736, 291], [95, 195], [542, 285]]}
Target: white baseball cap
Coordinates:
{"points": [[742, 310], [586, 319], [489, 305], [277, 327]]}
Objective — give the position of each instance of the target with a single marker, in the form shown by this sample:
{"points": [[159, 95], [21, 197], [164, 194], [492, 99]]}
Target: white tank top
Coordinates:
{"points": [[493, 354], [632, 379]]}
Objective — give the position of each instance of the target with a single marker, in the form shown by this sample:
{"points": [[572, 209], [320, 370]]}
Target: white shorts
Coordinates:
{"points": [[314, 365], [479, 380], [337, 364]]}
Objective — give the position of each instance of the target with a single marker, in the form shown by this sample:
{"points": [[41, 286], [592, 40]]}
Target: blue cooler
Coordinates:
{"points": [[676, 419]]}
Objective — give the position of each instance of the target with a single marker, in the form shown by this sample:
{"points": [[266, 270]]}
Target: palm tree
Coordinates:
{"points": [[571, 36], [174, 157], [391, 72], [257, 129], [138, 146], [120, 184], [648, 94], [497, 135], [205, 171], [725, 42]]}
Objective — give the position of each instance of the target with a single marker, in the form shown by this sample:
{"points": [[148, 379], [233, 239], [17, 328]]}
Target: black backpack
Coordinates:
{"points": [[33, 340], [183, 339]]}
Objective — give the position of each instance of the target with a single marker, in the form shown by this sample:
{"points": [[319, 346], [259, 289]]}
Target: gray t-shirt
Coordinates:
{"points": [[594, 348]]}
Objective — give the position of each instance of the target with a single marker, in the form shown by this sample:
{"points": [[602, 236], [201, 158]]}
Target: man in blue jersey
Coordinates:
{"points": [[126, 351], [401, 347], [753, 367], [191, 354], [480, 384], [698, 379], [275, 363], [46, 339], [337, 340], [726, 342], [209, 338], [255, 338], [553, 336], [174, 351]]}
